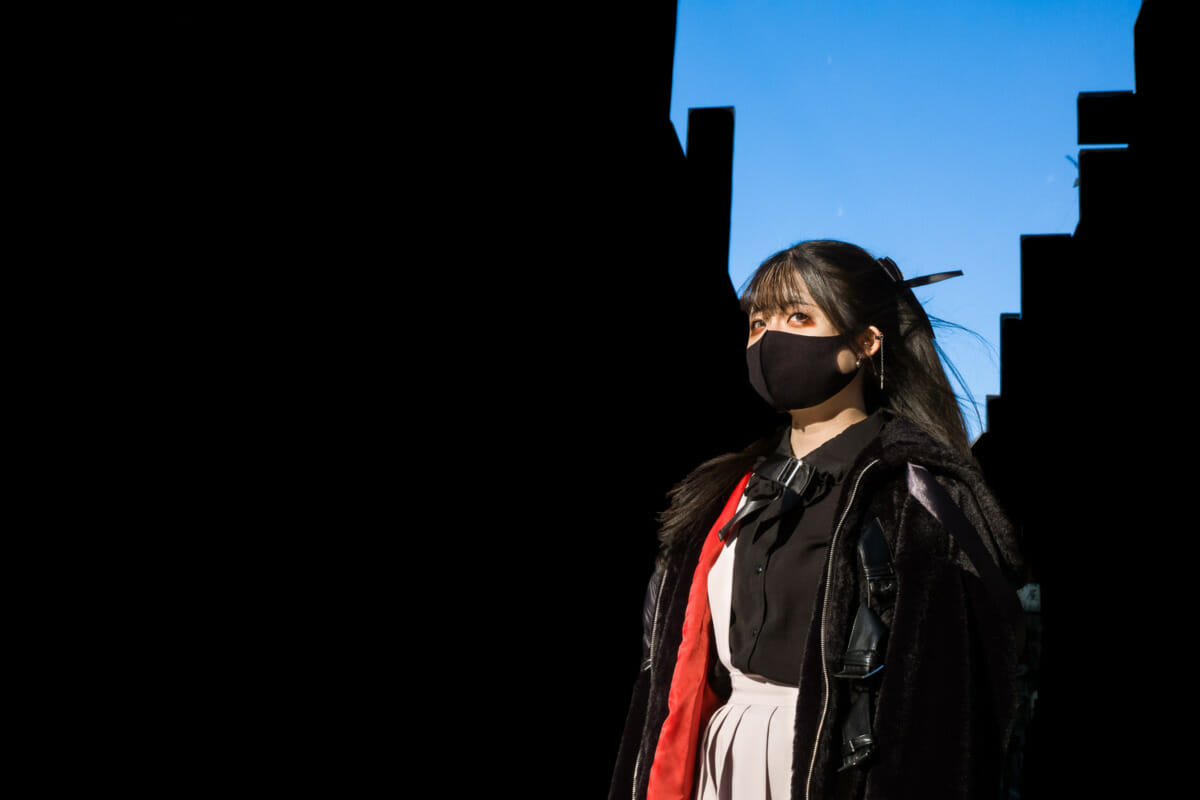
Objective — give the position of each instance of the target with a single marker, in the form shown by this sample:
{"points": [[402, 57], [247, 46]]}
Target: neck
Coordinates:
{"points": [[812, 427]]}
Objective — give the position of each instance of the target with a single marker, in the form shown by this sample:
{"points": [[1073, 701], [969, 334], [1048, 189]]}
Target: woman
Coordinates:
{"points": [[832, 614]]}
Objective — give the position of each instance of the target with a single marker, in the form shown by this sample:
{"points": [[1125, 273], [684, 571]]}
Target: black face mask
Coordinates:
{"points": [[791, 371]]}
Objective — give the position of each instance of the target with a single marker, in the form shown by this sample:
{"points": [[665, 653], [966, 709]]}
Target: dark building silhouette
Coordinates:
{"points": [[442, 310], [1080, 440]]}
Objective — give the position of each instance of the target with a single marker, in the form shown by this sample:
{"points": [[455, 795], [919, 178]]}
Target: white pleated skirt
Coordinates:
{"points": [[747, 748]]}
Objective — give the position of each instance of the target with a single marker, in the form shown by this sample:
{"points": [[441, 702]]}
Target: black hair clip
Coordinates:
{"points": [[906, 287]]}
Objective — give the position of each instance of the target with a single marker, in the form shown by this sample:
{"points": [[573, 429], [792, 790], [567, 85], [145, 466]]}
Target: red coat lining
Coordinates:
{"points": [[691, 702]]}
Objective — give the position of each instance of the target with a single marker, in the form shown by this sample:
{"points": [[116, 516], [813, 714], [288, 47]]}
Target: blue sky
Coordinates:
{"points": [[935, 132]]}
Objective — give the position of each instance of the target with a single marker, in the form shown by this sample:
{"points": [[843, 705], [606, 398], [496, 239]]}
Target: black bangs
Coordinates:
{"points": [[775, 287], [787, 279]]}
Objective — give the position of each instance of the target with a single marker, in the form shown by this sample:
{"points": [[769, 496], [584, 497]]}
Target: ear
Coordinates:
{"points": [[869, 341]]}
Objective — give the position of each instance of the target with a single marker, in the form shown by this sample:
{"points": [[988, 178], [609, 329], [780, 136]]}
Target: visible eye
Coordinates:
{"points": [[797, 318], [757, 324]]}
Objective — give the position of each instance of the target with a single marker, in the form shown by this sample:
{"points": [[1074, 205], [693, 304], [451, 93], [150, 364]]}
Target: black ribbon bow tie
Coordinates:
{"points": [[775, 477]]}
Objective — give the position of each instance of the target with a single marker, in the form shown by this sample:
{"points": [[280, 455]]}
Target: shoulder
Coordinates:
{"points": [[933, 491]]}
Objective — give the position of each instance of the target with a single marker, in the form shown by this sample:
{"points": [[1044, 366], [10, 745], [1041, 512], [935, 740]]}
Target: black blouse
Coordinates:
{"points": [[780, 558]]}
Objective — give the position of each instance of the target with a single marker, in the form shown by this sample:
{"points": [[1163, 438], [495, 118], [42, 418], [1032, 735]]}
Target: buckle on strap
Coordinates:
{"points": [[792, 473]]}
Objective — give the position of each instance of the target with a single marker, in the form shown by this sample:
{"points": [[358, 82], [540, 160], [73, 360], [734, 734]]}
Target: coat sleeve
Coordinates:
{"points": [[622, 778], [947, 698], [649, 605]]}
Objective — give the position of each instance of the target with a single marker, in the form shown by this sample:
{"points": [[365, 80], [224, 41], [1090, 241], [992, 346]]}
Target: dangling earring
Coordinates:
{"points": [[879, 338]]}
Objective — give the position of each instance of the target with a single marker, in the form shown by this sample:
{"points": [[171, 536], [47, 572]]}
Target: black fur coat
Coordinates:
{"points": [[942, 708]]}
